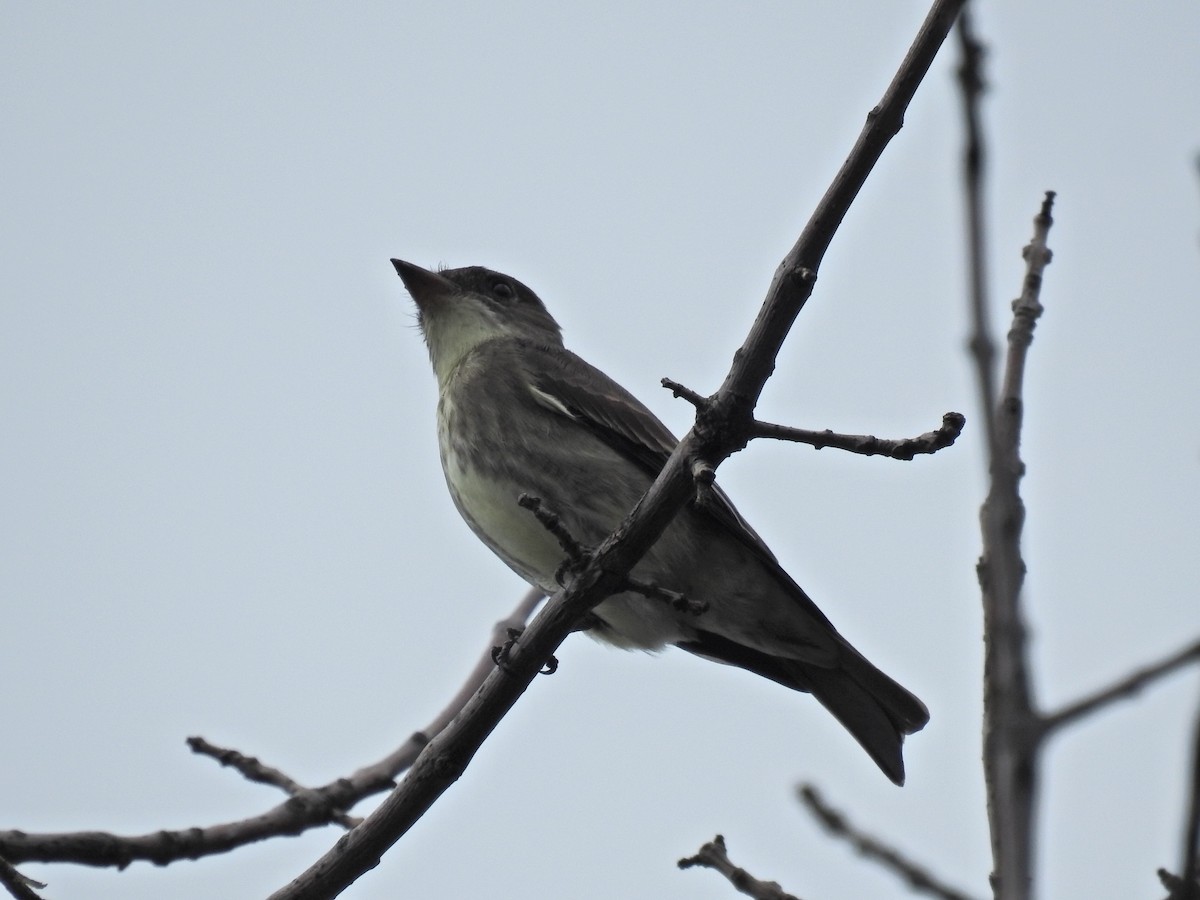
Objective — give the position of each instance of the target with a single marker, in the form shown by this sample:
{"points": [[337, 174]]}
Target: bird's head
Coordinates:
{"points": [[459, 309]]}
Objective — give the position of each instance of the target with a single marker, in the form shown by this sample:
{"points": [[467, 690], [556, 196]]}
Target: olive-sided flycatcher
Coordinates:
{"points": [[519, 413]]}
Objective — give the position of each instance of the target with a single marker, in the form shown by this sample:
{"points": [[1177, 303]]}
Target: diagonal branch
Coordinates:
{"points": [[18, 886], [1121, 689], [253, 769], [309, 808], [578, 557], [835, 823], [716, 435]]}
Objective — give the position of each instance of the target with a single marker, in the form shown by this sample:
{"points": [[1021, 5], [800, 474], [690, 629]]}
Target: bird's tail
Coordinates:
{"points": [[872, 707], [869, 704]]}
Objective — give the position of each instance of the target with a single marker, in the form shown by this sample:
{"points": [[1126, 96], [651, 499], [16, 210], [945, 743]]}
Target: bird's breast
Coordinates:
{"points": [[487, 467]]}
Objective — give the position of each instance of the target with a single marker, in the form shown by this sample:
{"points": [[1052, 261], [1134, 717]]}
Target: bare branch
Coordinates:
{"points": [[674, 599], [250, 768], [578, 556], [703, 473], [1190, 868], [866, 444], [405, 755], [713, 856], [719, 431], [835, 823], [1027, 308], [22, 887], [1177, 887], [1121, 689], [1011, 723], [308, 808], [313, 807], [686, 393], [982, 345], [254, 770]]}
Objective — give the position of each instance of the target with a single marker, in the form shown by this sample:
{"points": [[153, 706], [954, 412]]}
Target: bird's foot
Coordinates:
{"points": [[503, 652]]}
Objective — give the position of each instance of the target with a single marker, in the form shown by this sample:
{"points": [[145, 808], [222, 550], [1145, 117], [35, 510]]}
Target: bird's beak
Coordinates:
{"points": [[426, 287]]}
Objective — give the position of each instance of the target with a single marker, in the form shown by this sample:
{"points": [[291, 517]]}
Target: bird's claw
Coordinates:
{"points": [[502, 652]]}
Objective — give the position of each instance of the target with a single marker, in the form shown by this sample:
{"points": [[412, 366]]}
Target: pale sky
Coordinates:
{"points": [[222, 511]]}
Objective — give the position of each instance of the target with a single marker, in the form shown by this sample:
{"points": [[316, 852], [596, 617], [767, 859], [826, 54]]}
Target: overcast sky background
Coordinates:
{"points": [[221, 509]]}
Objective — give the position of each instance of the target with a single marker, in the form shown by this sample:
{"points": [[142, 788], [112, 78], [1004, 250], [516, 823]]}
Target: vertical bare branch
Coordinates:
{"points": [[1190, 869], [981, 344], [1011, 723], [1014, 729]]}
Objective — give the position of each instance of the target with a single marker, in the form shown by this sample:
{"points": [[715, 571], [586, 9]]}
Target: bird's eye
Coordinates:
{"points": [[503, 290]]}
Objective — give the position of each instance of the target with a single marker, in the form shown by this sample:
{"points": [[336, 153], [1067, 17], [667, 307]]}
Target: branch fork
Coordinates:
{"points": [[864, 444]]}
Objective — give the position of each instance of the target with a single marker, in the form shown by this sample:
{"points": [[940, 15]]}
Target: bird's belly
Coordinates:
{"points": [[591, 488], [488, 503]]}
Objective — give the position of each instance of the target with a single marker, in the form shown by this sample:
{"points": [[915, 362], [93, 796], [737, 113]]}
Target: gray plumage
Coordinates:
{"points": [[519, 413]]}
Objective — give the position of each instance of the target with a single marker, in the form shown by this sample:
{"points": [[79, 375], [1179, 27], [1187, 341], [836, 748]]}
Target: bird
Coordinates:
{"points": [[518, 413]]}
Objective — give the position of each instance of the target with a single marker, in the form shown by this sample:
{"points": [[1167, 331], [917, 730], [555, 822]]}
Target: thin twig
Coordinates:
{"points": [[1121, 689], [677, 601], [18, 885], [704, 473], [866, 444], [714, 856], [918, 878], [250, 768], [253, 769], [686, 393], [578, 555]]}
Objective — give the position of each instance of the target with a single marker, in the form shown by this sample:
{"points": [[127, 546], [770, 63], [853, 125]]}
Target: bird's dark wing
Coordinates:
{"points": [[570, 386], [873, 707]]}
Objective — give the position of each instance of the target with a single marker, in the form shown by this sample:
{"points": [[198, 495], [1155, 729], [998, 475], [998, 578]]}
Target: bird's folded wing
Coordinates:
{"points": [[570, 386]]}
